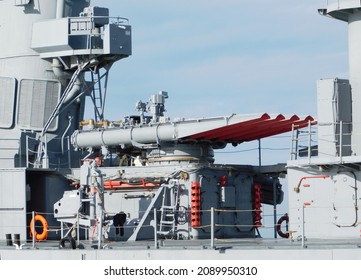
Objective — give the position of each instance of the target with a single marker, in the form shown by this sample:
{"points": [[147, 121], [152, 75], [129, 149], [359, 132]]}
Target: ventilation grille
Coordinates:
{"points": [[37, 100]]}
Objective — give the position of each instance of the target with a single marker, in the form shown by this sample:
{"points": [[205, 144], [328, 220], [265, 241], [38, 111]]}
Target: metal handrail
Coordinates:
{"points": [[85, 26], [65, 152]]}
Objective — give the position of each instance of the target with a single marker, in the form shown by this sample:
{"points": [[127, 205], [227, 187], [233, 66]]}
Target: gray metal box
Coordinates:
{"points": [[51, 36], [100, 15], [334, 109], [117, 40], [13, 202]]}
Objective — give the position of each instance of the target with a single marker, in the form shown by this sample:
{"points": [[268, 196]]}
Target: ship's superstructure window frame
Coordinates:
{"points": [[7, 101]]}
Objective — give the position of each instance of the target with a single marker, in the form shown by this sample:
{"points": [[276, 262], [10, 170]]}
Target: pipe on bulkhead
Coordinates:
{"points": [[57, 67], [58, 70], [63, 76], [59, 9], [74, 91]]}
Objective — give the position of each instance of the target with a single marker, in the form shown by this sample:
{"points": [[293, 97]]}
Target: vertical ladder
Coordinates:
{"points": [[294, 143], [97, 97], [99, 93], [167, 223]]}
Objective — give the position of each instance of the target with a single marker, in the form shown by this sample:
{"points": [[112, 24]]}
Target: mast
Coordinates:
{"points": [[42, 75], [350, 12]]}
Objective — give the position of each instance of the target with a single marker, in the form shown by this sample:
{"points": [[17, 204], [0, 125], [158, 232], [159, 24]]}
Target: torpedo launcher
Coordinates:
{"points": [[197, 137]]}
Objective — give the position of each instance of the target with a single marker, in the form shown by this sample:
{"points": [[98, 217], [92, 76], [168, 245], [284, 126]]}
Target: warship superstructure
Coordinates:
{"points": [[102, 188]]}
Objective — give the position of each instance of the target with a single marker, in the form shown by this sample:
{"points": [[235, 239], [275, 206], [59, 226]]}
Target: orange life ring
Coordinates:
{"points": [[284, 218], [44, 223]]}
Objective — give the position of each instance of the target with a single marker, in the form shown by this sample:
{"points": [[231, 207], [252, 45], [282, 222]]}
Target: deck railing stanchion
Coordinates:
{"points": [[33, 227], [155, 229], [212, 227]]}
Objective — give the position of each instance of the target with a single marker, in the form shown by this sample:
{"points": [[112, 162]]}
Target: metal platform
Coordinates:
{"points": [[237, 249]]}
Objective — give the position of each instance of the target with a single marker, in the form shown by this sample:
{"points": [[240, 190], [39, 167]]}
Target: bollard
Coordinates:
{"points": [[9, 240], [17, 239]]}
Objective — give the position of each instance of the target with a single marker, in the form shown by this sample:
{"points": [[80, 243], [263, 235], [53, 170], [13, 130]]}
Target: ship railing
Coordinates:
{"points": [[60, 158], [88, 23], [215, 226], [332, 139], [303, 142], [62, 230], [298, 228]]}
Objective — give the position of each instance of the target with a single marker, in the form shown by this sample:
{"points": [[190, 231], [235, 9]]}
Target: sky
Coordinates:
{"points": [[219, 57]]}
